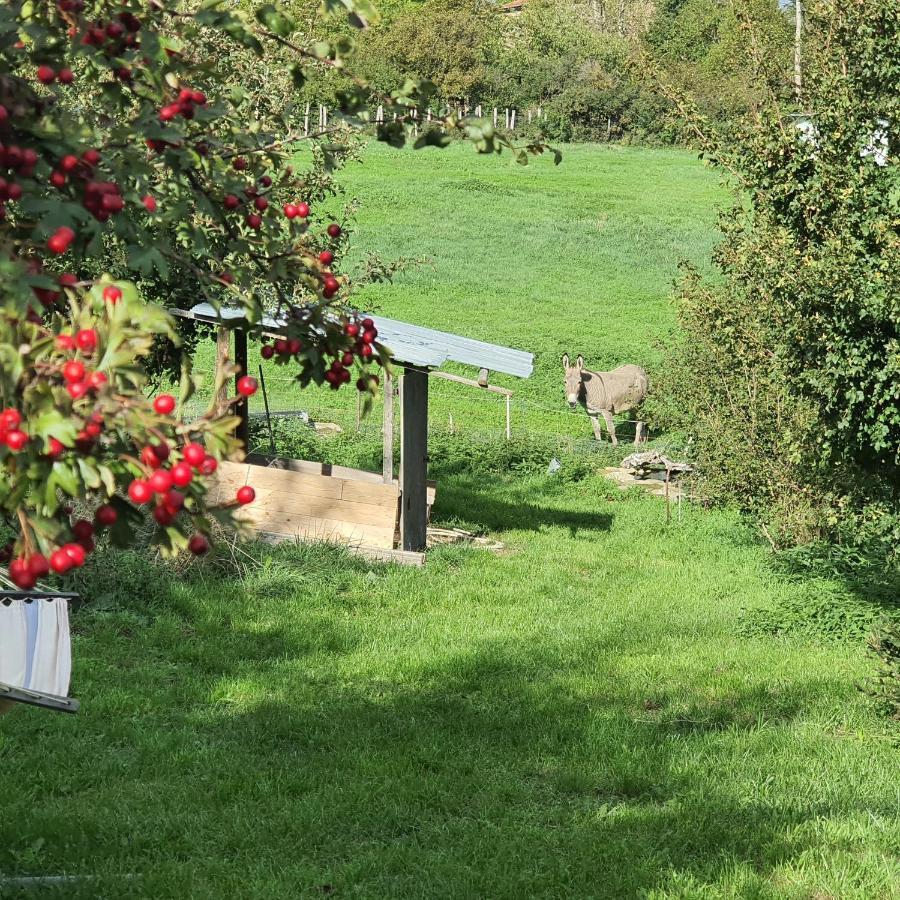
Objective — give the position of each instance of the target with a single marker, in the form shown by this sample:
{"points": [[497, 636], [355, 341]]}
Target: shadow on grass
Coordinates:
{"points": [[472, 501], [495, 772]]}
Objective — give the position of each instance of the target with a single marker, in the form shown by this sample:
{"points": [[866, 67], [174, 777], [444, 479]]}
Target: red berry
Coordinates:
{"points": [[164, 404], [369, 336], [76, 553], [39, 565], [60, 562], [67, 279], [198, 545], [73, 371], [160, 481], [139, 491], [86, 339], [173, 501], [209, 465], [106, 516], [182, 474], [365, 351], [65, 342], [347, 358], [198, 97], [10, 418], [149, 458], [247, 386], [163, 515], [290, 210], [261, 203], [58, 180], [368, 323], [45, 75], [168, 112], [20, 576], [194, 455], [239, 164], [326, 257], [246, 495], [254, 221], [303, 210], [61, 239], [294, 346], [91, 157], [265, 181], [267, 351], [112, 294], [16, 440], [161, 451], [149, 203], [69, 163], [82, 530], [362, 384], [56, 448], [334, 230], [281, 346], [351, 329], [96, 380], [230, 201]]}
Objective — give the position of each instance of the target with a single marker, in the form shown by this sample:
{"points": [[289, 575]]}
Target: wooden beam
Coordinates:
{"points": [[242, 408], [414, 459], [223, 351], [449, 376], [387, 462]]}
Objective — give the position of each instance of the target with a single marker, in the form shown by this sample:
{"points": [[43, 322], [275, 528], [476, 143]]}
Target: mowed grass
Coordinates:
{"points": [[577, 258], [577, 717]]}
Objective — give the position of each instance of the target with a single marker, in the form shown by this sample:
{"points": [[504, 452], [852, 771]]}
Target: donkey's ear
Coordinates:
{"points": [[579, 363], [565, 360]]}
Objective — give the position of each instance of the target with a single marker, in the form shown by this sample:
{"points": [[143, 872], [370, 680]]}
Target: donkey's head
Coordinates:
{"points": [[574, 382]]}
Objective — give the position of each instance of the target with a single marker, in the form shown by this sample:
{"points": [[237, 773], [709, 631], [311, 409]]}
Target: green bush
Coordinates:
{"points": [[885, 686]]}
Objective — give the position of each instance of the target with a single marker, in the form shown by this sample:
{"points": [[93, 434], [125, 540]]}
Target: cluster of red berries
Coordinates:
{"points": [[78, 379], [47, 75], [114, 37], [14, 159], [282, 348], [184, 106], [11, 433]]}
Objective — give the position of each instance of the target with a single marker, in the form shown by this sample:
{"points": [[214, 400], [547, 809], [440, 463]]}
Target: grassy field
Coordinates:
{"points": [[575, 258], [596, 712], [578, 717]]}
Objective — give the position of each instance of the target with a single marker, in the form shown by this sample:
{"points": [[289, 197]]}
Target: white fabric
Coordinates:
{"points": [[35, 648], [13, 644]]}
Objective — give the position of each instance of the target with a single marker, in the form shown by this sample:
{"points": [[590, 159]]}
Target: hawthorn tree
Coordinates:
{"points": [[130, 159]]}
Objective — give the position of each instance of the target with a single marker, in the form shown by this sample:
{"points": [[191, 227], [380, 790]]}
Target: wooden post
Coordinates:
{"points": [[223, 349], [242, 408], [508, 418], [387, 430], [306, 121], [414, 459], [512, 120], [495, 117]]}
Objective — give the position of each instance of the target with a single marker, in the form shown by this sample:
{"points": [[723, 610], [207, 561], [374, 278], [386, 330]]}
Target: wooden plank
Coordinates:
{"points": [[376, 494], [314, 468], [223, 348], [378, 554], [273, 503], [414, 459], [387, 430], [322, 529]]}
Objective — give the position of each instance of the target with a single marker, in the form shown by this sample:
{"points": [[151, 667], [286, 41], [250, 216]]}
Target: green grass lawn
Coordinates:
{"points": [[574, 258], [578, 717]]}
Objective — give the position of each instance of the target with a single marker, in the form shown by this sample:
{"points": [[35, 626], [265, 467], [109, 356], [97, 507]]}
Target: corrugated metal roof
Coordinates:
{"points": [[410, 344]]}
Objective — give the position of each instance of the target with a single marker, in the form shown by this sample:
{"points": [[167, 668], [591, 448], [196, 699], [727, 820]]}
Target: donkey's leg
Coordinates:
{"points": [[640, 433], [610, 425], [598, 431]]}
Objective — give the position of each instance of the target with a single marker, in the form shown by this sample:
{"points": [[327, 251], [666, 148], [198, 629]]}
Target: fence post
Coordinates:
{"points": [[495, 117], [508, 418], [387, 462], [512, 121], [306, 121]]}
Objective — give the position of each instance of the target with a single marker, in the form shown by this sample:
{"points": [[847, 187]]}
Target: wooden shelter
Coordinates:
{"points": [[419, 352]]}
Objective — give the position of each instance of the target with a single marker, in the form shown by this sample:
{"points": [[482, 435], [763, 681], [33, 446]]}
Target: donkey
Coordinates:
{"points": [[605, 393]]}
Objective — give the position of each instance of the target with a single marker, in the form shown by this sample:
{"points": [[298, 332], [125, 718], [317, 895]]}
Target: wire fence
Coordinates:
{"points": [[453, 408]]}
